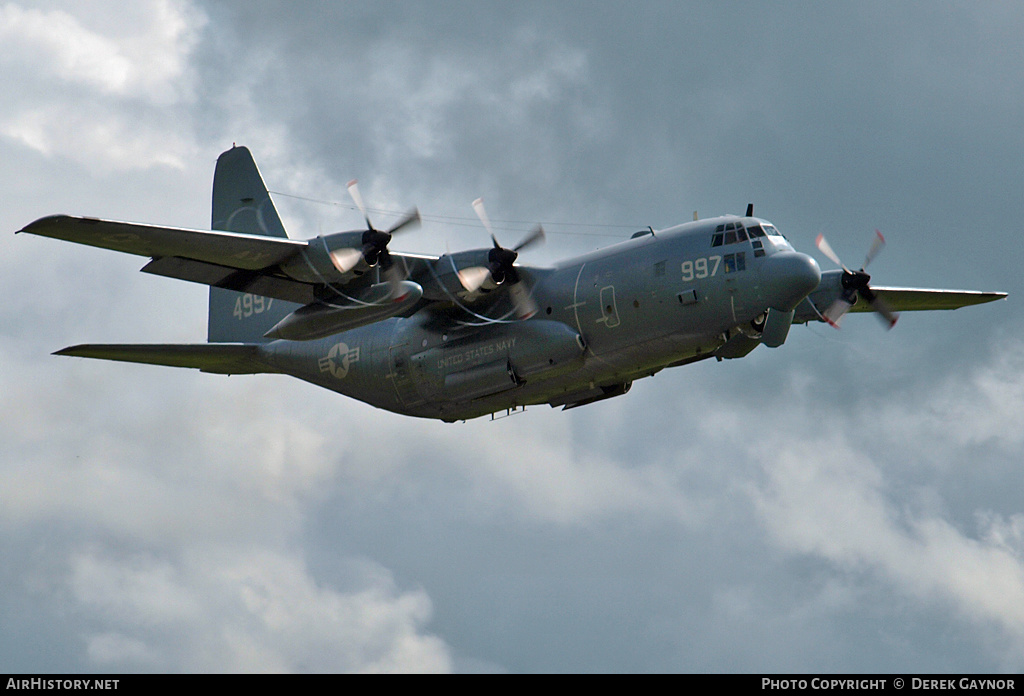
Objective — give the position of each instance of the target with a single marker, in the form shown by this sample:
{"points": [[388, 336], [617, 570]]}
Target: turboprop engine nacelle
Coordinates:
{"points": [[331, 258], [320, 319], [448, 267]]}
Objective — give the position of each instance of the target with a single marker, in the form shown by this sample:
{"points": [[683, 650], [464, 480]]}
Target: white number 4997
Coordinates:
{"points": [[248, 304]]}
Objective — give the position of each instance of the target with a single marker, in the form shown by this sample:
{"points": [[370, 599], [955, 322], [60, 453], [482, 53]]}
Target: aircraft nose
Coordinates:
{"points": [[789, 277]]}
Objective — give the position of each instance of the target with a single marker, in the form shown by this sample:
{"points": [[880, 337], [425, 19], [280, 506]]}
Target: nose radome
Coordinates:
{"points": [[791, 276]]}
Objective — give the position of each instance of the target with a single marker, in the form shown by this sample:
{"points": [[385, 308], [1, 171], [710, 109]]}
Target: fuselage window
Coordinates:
{"points": [[734, 263]]}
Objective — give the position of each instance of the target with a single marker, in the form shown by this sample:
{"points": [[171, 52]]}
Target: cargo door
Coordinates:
{"points": [[401, 375]]}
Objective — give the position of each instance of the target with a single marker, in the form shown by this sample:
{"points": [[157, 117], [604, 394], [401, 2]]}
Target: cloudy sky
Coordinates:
{"points": [[849, 502]]}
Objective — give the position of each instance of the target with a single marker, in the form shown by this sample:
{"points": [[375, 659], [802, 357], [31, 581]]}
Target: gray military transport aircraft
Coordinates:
{"points": [[473, 333]]}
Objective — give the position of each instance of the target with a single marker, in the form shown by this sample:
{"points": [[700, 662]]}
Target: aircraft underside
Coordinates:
{"points": [[398, 366]]}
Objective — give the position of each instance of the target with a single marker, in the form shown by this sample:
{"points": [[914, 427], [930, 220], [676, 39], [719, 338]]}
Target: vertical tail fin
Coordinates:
{"points": [[241, 203]]}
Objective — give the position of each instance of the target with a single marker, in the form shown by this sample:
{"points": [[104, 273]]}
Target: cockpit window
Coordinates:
{"points": [[733, 233]]}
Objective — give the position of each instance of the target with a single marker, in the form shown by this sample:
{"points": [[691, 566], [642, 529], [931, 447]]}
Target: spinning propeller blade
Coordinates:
{"points": [[353, 190], [856, 283], [500, 266], [877, 245], [481, 212], [375, 244], [536, 236], [826, 249]]}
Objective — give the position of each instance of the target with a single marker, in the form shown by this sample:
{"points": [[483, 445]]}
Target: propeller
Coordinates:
{"points": [[500, 266], [375, 244], [856, 283]]}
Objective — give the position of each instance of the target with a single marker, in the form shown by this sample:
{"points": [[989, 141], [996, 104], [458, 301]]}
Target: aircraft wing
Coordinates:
{"points": [[922, 299], [894, 299], [229, 249], [233, 260]]}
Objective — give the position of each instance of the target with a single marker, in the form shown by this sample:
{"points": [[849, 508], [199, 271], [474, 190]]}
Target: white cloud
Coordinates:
{"points": [[146, 58], [234, 610], [244, 475], [832, 497], [983, 407], [110, 97], [116, 648], [530, 466], [837, 508], [231, 484], [64, 48]]}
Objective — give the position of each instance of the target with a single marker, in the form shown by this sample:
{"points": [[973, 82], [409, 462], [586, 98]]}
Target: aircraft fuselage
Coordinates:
{"points": [[604, 319]]}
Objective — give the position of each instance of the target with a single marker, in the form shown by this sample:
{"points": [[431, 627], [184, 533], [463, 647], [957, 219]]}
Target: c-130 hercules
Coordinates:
{"points": [[473, 333]]}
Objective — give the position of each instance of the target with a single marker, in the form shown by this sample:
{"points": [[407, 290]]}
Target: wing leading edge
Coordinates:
{"points": [[895, 300], [231, 249], [925, 299]]}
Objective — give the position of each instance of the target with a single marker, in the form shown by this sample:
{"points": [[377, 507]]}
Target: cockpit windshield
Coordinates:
{"points": [[729, 233], [734, 232]]}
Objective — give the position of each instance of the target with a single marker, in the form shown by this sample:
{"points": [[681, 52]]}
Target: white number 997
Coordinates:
{"points": [[701, 268]]}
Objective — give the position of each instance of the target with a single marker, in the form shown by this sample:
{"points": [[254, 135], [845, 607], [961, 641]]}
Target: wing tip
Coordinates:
{"points": [[69, 351]]}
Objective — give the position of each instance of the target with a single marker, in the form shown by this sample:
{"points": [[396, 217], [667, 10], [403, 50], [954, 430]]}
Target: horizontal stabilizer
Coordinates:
{"points": [[220, 358]]}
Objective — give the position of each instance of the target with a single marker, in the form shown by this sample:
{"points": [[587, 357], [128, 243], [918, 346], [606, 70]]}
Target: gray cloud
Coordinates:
{"points": [[844, 503]]}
